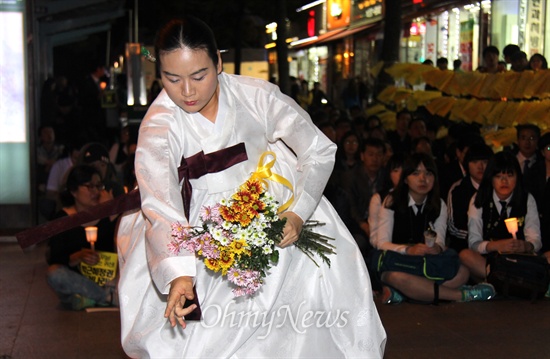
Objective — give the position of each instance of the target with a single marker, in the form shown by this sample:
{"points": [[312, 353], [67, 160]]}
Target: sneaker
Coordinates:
{"points": [[481, 291], [79, 302], [391, 296]]}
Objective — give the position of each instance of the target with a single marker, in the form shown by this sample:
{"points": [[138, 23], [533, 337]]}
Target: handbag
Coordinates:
{"points": [[520, 275], [437, 267]]}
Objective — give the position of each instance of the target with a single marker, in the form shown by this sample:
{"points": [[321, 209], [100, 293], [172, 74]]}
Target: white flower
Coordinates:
{"points": [[258, 241], [217, 233], [267, 249], [225, 240], [226, 225]]}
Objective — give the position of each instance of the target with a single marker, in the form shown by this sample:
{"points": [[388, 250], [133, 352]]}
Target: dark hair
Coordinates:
{"points": [[457, 63], [544, 141], [416, 119], [528, 126], [442, 60], [78, 175], [416, 141], [490, 50], [395, 161], [476, 152], [400, 197], [403, 112], [542, 58], [520, 55], [502, 162], [187, 32], [373, 142], [510, 49]]}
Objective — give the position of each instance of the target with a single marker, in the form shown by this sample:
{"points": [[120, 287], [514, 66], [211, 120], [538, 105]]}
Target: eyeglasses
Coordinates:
{"points": [[90, 186]]}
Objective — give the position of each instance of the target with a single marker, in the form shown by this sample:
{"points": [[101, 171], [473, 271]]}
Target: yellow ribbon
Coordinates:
{"points": [[263, 173]]}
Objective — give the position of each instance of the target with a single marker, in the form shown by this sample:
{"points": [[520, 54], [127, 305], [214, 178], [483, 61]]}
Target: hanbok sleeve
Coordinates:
{"points": [[287, 121], [158, 155]]}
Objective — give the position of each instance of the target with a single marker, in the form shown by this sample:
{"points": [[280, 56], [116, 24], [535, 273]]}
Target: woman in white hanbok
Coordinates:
{"points": [[302, 310]]}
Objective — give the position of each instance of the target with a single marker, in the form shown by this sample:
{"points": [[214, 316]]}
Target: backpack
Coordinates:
{"points": [[519, 275]]}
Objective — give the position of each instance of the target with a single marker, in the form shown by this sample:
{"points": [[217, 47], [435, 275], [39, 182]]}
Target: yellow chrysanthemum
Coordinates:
{"points": [[227, 214], [243, 218], [238, 246], [226, 261], [244, 197], [254, 187], [212, 264]]}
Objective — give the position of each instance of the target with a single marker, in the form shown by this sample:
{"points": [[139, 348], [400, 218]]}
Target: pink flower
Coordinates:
{"points": [[174, 247]]}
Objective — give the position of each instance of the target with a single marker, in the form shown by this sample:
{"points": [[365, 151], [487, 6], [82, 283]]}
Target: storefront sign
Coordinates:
{"points": [[534, 27], [338, 14], [522, 22], [466, 44], [367, 11]]}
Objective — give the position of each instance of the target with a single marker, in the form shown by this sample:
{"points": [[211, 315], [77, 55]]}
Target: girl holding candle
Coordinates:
{"points": [[84, 189], [500, 196]]}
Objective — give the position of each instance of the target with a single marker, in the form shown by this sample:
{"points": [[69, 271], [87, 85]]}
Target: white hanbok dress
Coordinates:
{"points": [[301, 311]]}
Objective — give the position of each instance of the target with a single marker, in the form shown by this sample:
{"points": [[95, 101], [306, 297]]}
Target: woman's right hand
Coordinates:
{"points": [[181, 289]]}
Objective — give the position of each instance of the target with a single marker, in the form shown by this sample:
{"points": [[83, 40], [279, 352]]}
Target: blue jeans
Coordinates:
{"points": [[66, 283]]}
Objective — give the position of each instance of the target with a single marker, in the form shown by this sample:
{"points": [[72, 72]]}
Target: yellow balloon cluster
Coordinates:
{"points": [[496, 101]]}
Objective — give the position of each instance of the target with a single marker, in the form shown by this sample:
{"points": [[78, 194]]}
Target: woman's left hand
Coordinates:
{"points": [[292, 229]]}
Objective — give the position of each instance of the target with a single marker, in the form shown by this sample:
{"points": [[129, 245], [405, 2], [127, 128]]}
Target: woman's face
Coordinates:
{"points": [[191, 80], [87, 194], [351, 145], [504, 184], [420, 183], [536, 63]]}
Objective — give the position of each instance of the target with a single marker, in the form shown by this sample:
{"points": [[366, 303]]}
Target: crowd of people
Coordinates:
{"points": [[389, 187]]}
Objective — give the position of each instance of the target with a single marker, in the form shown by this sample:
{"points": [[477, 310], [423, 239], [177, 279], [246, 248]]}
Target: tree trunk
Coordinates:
{"points": [[390, 45], [282, 49]]}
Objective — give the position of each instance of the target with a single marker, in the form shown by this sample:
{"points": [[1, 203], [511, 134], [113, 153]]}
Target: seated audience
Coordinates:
{"points": [[392, 173], [56, 179], [84, 190], [458, 201], [407, 212], [47, 153], [361, 183], [538, 62], [399, 138], [500, 196], [97, 156]]}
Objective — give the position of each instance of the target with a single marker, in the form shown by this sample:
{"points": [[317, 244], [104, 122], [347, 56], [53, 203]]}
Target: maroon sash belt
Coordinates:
{"points": [[193, 167]]}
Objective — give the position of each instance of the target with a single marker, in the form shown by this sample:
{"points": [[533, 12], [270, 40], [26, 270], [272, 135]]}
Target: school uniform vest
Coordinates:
{"points": [[462, 194], [494, 227], [408, 228]]}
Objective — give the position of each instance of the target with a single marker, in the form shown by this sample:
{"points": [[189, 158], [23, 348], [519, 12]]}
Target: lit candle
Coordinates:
{"points": [[512, 226], [91, 236]]}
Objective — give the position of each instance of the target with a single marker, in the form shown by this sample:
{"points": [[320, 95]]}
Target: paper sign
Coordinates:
{"points": [[103, 271]]}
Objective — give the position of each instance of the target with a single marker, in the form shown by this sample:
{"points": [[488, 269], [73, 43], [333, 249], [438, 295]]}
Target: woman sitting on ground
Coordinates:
{"points": [[500, 196], [407, 212], [84, 190]]}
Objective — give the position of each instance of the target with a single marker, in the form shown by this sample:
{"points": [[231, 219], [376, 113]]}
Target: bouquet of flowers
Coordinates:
{"points": [[239, 234]]}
